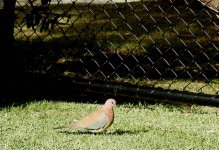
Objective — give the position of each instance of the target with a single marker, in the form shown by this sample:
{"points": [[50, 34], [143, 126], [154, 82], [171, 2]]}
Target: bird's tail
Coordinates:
{"points": [[60, 127]]}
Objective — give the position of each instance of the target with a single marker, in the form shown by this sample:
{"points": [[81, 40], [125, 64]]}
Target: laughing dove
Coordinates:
{"points": [[97, 121]]}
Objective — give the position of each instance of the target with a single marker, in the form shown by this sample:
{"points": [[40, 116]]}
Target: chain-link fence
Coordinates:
{"points": [[167, 49]]}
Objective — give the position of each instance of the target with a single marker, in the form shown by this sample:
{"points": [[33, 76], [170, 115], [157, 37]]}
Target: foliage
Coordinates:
{"points": [[41, 15]]}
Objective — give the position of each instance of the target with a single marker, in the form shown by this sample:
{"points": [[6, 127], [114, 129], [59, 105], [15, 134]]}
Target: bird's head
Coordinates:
{"points": [[110, 102]]}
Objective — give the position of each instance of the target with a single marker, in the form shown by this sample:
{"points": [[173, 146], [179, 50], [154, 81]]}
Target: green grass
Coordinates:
{"points": [[177, 84], [143, 126]]}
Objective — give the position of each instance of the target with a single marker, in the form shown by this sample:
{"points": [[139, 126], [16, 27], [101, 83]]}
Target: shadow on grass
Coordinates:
{"points": [[49, 89], [116, 132]]}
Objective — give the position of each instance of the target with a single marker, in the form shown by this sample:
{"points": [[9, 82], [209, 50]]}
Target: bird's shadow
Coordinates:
{"points": [[116, 132]]}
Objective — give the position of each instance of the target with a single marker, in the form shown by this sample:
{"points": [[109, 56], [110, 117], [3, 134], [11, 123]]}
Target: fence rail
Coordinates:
{"points": [[164, 49]]}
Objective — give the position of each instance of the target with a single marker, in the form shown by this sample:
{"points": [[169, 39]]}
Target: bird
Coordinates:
{"points": [[97, 121]]}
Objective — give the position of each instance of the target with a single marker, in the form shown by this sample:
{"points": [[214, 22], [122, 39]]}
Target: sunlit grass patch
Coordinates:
{"points": [[141, 126], [177, 84]]}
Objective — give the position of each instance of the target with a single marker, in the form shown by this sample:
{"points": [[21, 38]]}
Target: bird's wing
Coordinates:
{"points": [[94, 121]]}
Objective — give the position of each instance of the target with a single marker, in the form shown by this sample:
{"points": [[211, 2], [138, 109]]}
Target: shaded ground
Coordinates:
{"points": [[144, 43]]}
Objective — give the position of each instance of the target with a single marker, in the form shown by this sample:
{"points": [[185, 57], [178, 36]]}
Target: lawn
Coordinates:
{"points": [[139, 126]]}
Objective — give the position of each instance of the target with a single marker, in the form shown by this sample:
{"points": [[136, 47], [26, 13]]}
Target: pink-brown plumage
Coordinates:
{"points": [[97, 121]]}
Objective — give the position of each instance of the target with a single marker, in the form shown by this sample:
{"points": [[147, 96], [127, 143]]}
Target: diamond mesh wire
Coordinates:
{"points": [[165, 44]]}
